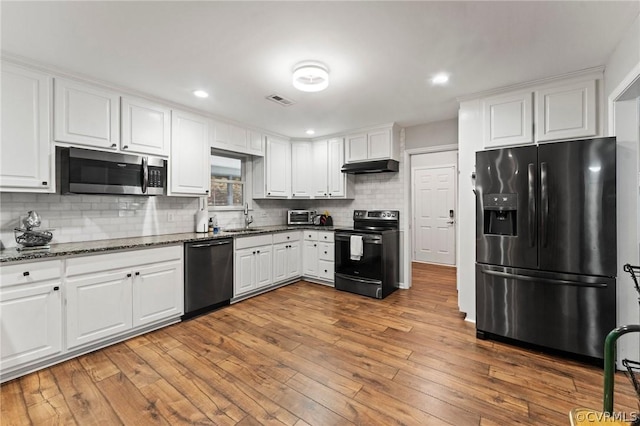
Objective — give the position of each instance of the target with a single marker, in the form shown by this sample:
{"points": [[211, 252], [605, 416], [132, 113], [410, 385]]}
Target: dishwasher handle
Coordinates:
{"points": [[211, 244]]}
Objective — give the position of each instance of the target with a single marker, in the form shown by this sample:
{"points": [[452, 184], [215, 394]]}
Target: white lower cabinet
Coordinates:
{"points": [[318, 255], [30, 312], [109, 294], [287, 256], [253, 264]]}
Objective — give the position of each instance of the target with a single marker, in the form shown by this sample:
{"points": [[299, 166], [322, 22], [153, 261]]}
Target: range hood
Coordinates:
{"points": [[378, 166]]}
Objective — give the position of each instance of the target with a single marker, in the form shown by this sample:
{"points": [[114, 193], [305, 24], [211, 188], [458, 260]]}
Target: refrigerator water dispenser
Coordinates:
{"points": [[500, 214]]}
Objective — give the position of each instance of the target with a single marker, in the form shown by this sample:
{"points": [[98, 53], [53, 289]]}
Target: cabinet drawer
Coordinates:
{"points": [[325, 269], [27, 273], [259, 240], [326, 237], [286, 237], [326, 251], [310, 235], [119, 260]]}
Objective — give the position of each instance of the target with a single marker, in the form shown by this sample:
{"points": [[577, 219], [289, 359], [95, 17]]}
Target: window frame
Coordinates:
{"points": [[246, 166]]}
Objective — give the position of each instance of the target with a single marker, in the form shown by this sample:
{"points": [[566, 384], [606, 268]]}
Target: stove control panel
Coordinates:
{"points": [[376, 215]]}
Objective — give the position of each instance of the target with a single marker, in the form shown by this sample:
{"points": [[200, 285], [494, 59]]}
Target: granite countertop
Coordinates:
{"points": [[85, 247]]}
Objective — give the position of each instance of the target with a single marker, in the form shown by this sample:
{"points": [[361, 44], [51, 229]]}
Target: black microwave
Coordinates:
{"points": [[86, 171]]}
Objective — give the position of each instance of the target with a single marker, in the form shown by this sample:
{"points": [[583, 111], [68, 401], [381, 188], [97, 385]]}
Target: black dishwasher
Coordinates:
{"points": [[208, 275]]}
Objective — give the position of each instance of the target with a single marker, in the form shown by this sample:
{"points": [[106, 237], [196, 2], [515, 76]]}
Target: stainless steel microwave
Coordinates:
{"points": [[300, 217], [85, 171]]}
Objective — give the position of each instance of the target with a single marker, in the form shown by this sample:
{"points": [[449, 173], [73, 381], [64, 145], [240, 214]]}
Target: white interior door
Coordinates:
{"points": [[434, 215]]}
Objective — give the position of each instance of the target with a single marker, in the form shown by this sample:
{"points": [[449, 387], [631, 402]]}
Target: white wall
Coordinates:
{"points": [[432, 134], [623, 65]]}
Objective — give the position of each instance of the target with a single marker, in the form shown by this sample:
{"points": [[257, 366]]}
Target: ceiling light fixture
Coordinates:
{"points": [[440, 79], [201, 93], [310, 76], [310, 132]]}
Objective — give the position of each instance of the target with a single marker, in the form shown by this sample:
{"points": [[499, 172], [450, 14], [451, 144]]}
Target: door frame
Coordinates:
{"points": [[406, 227], [455, 207]]}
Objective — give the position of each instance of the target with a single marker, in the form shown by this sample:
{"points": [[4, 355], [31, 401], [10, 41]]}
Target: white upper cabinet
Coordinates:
{"points": [[508, 119], [86, 115], [380, 143], [301, 179], [339, 185], [146, 127], [560, 110], [319, 168], [26, 151], [230, 137], [189, 172], [272, 174], [566, 111]]}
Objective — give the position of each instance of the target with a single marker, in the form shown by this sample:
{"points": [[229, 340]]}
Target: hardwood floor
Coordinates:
{"points": [[306, 354]]}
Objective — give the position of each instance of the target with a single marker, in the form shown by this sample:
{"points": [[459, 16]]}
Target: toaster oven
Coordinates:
{"points": [[300, 217]]}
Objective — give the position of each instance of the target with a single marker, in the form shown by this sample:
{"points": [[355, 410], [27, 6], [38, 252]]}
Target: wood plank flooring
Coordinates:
{"points": [[306, 354]]}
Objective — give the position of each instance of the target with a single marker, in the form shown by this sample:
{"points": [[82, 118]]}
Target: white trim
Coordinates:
{"points": [[622, 87], [406, 168]]}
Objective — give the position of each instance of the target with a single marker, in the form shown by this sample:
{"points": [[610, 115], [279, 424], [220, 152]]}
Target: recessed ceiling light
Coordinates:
{"points": [[201, 93], [310, 132], [310, 76], [440, 79]]}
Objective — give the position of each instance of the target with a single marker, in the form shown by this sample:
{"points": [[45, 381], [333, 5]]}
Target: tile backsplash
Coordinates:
{"points": [[96, 217]]}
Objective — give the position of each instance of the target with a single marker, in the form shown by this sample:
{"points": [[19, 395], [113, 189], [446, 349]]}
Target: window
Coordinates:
{"points": [[228, 177]]}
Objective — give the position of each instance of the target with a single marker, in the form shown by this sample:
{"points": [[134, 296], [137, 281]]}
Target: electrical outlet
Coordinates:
{"points": [[171, 217]]}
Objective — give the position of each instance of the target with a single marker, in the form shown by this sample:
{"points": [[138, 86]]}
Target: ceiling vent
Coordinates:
{"points": [[280, 100]]}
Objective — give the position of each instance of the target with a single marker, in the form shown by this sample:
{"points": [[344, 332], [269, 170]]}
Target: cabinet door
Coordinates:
{"points": [[336, 179], [220, 135], [301, 179], [189, 163], [157, 292], [326, 251], [239, 139], [146, 127], [264, 263], [508, 120], [326, 270], [26, 156], [356, 147], [31, 322], [278, 172], [566, 112], [86, 115], [98, 306], [319, 178], [244, 271], [280, 258], [256, 145], [310, 258], [379, 144], [294, 260]]}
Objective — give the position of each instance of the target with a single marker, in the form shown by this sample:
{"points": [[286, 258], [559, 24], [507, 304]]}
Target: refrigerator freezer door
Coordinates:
{"points": [[572, 313], [577, 219], [506, 185]]}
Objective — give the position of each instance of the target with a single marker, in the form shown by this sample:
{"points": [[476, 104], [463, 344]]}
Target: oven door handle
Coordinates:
{"points": [[360, 280], [367, 239]]}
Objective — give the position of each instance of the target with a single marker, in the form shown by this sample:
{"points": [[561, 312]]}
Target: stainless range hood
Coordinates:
{"points": [[378, 166]]}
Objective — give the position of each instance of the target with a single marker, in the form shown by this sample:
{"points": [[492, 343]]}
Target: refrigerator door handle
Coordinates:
{"points": [[544, 200], [532, 203], [542, 280]]}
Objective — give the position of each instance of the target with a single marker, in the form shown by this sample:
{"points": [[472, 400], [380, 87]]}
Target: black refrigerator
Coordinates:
{"points": [[546, 244]]}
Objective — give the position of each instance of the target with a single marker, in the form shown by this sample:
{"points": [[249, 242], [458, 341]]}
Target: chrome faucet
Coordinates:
{"points": [[247, 220]]}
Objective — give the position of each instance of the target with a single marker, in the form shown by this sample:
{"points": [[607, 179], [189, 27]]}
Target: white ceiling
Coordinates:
{"points": [[381, 54]]}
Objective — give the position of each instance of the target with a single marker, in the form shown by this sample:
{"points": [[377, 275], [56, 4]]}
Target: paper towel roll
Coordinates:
{"points": [[202, 221]]}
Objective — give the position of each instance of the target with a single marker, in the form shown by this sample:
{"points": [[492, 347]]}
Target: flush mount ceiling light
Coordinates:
{"points": [[310, 132], [440, 79], [310, 76], [200, 93]]}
